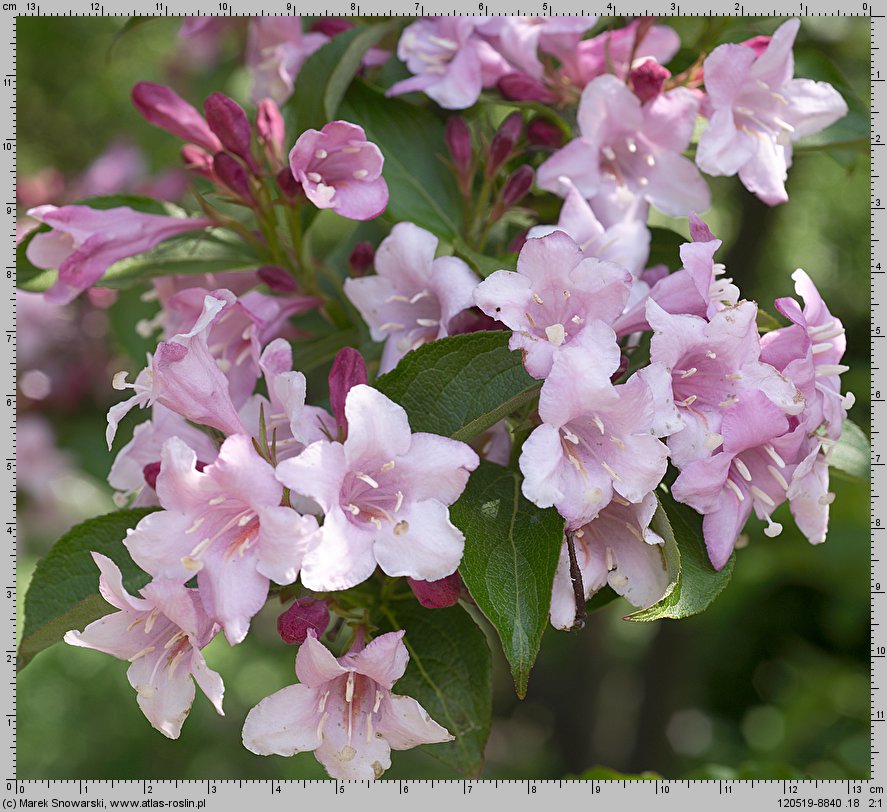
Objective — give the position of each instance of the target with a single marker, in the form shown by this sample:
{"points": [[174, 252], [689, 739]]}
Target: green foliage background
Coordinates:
{"points": [[771, 681]]}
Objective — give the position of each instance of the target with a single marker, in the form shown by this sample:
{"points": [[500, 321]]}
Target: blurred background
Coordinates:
{"points": [[772, 681]]}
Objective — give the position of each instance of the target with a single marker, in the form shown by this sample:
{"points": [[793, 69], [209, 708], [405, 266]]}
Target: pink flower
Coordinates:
{"points": [[85, 242], [759, 110], [616, 548], [629, 149], [595, 438], [626, 243], [344, 711], [451, 62], [164, 108], [183, 376], [385, 494], [752, 471], [553, 297], [713, 365], [275, 52], [226, 525], [339, 169], [414, 296], [161, 634], [127, 474]]}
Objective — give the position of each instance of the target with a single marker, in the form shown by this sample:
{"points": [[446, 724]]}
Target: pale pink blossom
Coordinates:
{"points": [[628, 149], [339, 169], [450, 61], [713, 365], [343, 710], [275, 52], [385, 493], [413, 296], [225, 524], [183, 376], [161, 634], [596, 439], [127, 474], [617, 548], [759, 110], [85, 242], [553, 297]]}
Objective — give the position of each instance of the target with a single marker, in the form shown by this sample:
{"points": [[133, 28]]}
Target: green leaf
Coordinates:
{"points": [[449, 673], [511, 554], [609, 774], [326, 74], [423, 189], [695, 582], [481, 263], [665, 246], [63, 594], [130, 25], [461, 385], [852, 454]]}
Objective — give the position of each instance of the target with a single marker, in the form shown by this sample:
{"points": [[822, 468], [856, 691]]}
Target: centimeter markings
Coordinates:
{"points": [[271, 794]]}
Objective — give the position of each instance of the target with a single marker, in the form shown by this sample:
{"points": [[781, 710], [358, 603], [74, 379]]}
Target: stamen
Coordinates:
{"points": [[193, 528], [733, 376], [611, 472], [149, 621], [773, 529], [245, 519], [349, 687], [686, 373], [314, 177], [618, 500], [368, 479], [556, 334], [632, 146], [388, 465], [687, 401], [216, 500], [322, 704], [320, 154], [577, 320], [173, 663], [730, 401], [135, 623], [323, 719], [756, 491], [608, 153], [616, 441], [568, 435], [650, 160], [774, 472], [119, 381], [401, 527], [825, 346], [174, 639], [359, 174], [392, 326], [827, 370], [427, 322], [566, 294], [537, 299], [774, 456], [399, 501], [599, 423], [743, 469], [376, 521], [710, 354], [420, 295], [530, 320], [139, 654], [353, 508], [378, 701], [735, 488]]}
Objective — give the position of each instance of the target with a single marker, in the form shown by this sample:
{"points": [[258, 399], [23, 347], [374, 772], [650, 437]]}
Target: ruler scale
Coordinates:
{"points": [[438, 794]]}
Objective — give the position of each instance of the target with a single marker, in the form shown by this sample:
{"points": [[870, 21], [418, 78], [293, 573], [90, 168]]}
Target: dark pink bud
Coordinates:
{"points": [[228, 121], [271, 129], [757, 44], [233, 175], [361, 260], [437, 594], [198, 160], [472, 320], [517, 186], [277, 279], [543, 133], [331, 26], [349, 369], [458, 138], [287, 184], [621, 369], [520, 87], [699, 231], [503, 142], [518, 242], [164, 108], [150, 473], [648, 78], [306, 614]]}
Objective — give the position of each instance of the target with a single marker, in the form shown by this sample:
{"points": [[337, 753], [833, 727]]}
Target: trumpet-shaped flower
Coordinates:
{"points": [[616, 548], [413, 297], [226, 525], [595, 438], [626, 149], [385, 494], [553, 297], [339, 169], [759, 110], [85, 242], [161, 634], [343, 710]]}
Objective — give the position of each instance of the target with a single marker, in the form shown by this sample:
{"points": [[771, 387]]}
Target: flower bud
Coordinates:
{"points": [[503, 142], [620, 370], [437, 594], [757, 44], [228, 121], [152, 470], [287, 184], [349, 369], [361, 260], [458, 138], [699, 231], [331, 26], [517, 186], [277, 279], [543, 133], [271, 129], [164, 108], [306, 614], [234, 176], [647, 79], [198, 161], [520, 87]]}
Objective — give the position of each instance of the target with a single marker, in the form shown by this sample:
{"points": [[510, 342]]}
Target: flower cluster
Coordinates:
{"points": [[265, 477]]}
